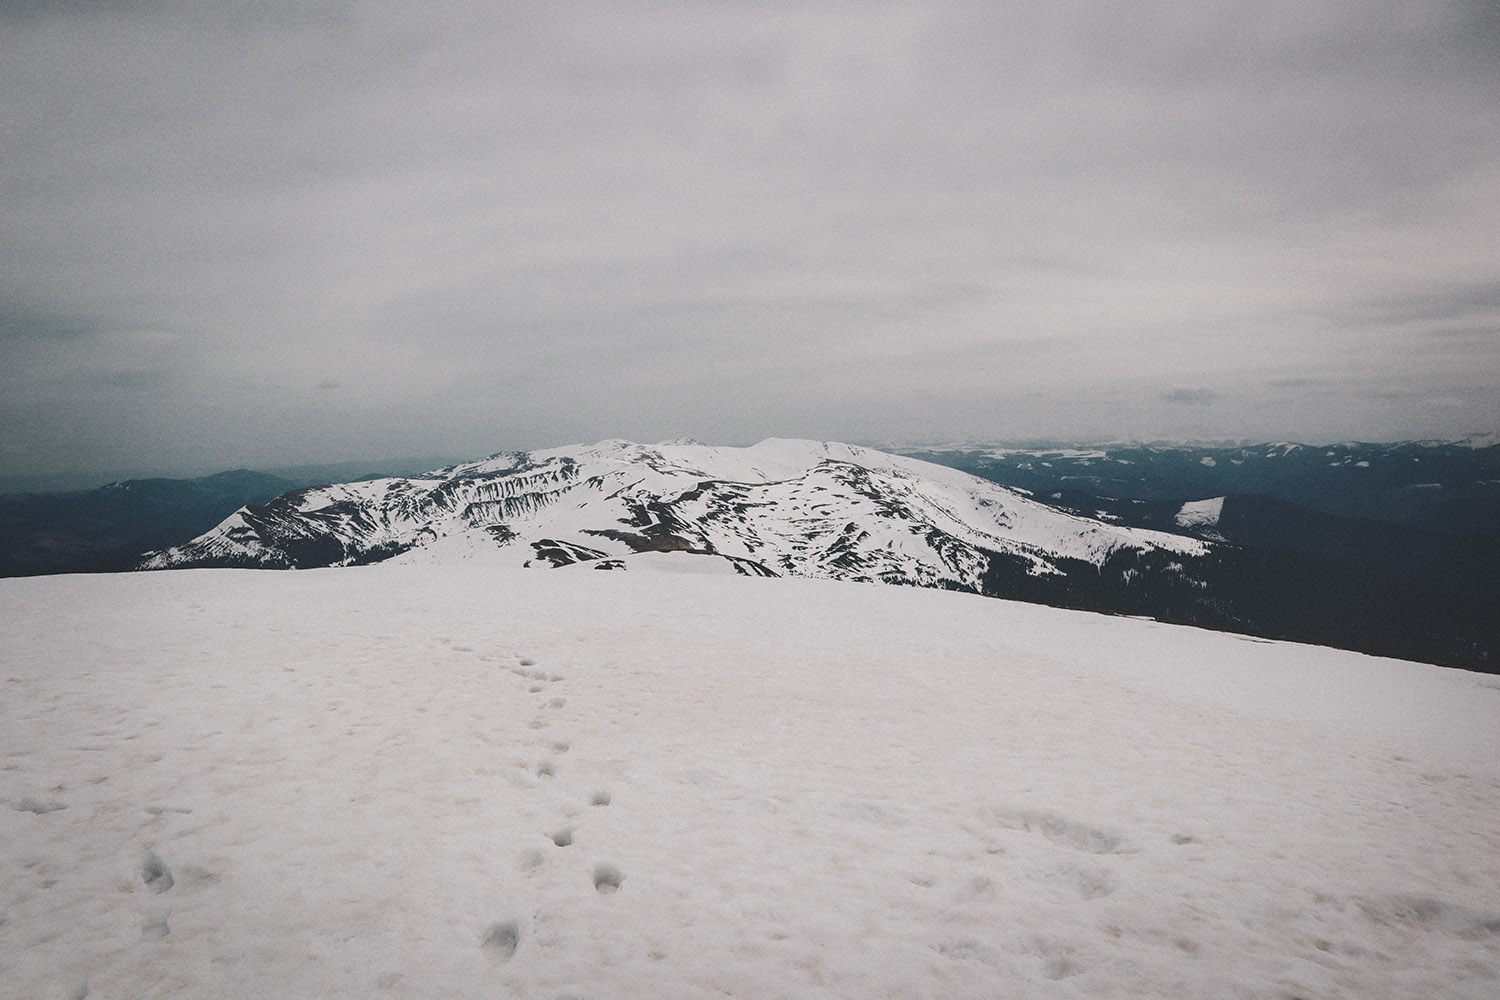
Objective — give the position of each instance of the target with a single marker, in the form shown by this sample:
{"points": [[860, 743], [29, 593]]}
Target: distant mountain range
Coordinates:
{"points": [[1388, 549], [1433, 486], [1425, 511], [103, 529], [109, 527]]}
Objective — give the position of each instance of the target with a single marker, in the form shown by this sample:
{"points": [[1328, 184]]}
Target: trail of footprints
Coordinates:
{"points": [[502, 939]]}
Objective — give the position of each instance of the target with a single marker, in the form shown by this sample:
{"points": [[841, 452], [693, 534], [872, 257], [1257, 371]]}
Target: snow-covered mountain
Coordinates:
{"points": [[778, 508], [836, 511]]}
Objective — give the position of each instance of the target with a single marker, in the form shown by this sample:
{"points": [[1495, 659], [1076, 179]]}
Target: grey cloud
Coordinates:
{"points": [[30, 11], [1190, 397], [137, 379], [1477, 332], [1458, 301], [1477, 23], [20, 324], [658, 219]]}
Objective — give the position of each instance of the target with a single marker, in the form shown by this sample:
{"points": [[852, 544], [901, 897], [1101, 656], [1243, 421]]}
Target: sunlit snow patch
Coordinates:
{"points": [[1200, 514]]}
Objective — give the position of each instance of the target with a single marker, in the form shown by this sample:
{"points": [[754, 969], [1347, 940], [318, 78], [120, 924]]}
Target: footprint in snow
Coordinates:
{"points": [[74, 990], [1066, 832], [607, 878], [38, 806], [1075, 880], [155, 928], [502, 940], [527, 671], [156, 874]]}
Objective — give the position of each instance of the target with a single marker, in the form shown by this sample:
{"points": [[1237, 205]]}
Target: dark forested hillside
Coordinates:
{"points": [[1392, 549], [103, 529]]}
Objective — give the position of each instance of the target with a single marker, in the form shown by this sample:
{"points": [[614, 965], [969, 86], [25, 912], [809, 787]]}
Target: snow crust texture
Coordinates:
{"points": [[409, 781]]}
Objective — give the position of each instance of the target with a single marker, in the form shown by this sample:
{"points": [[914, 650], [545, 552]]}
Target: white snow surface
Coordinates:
{"points": [[423, 781]]}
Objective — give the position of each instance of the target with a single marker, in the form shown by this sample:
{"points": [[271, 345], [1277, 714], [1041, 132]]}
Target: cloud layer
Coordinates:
{"points": [[271, 232]]}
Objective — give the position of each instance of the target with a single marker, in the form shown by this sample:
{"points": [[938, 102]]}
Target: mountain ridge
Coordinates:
{"points": [[792, 507]]}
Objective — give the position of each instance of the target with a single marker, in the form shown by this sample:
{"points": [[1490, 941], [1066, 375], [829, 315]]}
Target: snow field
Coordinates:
{"points": [[416, 781], [1201, 513]]}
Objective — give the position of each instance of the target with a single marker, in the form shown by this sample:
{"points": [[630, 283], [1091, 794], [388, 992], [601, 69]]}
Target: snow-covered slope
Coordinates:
{"points": [[464, 781], [779, 508], [1201, 517]]}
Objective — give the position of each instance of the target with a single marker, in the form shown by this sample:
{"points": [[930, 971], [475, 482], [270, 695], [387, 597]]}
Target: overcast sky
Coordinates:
{"points": [[258, 233]]}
